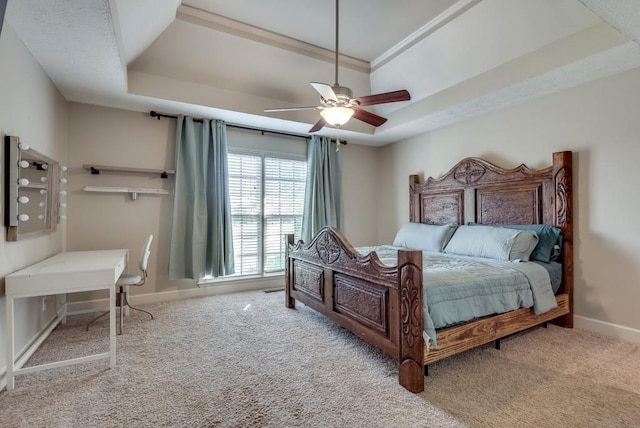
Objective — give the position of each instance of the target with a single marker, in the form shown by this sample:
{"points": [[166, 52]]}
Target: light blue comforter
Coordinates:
{"points": [[457, 289]]}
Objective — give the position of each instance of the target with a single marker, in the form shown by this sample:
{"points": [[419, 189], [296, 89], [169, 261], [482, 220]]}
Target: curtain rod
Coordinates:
{"points": [[157, 115]]}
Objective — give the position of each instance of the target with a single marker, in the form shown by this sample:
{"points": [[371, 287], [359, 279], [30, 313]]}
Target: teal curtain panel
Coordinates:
{"points": [[201, 235], [323, 194]]}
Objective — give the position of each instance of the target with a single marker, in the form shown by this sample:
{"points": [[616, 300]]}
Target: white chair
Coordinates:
{"points": [[126, 280]]}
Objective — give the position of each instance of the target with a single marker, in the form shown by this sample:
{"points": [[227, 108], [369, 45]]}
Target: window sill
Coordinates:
{"points": [[242, 279]]}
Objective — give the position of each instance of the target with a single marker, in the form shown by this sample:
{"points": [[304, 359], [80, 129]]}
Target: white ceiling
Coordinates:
{"points": [[231, 60]]}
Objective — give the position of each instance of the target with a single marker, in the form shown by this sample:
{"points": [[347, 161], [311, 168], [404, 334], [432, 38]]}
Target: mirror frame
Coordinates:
{"points": [[14, 153], [3, 7]]}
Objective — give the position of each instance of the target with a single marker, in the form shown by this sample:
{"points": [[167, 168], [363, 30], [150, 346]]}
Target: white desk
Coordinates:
{"points": [[69, 272]]}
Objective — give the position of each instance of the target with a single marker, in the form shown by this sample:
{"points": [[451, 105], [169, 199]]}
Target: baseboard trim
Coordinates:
{"points": [[30, 348], [76, 308], [607, 329]]}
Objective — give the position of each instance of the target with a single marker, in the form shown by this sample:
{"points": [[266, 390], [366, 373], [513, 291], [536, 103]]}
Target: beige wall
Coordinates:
{"points": [[107, 136], [599, 122], [33, 109], [360, 170]]}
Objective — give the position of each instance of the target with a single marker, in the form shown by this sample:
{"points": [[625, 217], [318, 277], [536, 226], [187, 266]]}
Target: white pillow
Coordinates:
{"points": [[492, 242], [425, 237]]}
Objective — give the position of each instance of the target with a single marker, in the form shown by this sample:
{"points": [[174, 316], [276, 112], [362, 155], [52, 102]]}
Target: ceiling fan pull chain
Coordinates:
{"points": [[337, 138]]}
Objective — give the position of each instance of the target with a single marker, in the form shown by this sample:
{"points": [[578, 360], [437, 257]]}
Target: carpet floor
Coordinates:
{"points": [[244, 360], [553, 377], [240, 360]]}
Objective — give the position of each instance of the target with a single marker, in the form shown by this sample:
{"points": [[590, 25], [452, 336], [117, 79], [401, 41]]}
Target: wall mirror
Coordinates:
{"points": [[31, 191]]}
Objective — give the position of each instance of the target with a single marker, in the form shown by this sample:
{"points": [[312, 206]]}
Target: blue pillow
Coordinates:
{"points": [[425, 237], [549, 240], [499, 243]]}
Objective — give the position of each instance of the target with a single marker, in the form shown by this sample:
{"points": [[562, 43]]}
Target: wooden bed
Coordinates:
{"points": [[383, 304]]}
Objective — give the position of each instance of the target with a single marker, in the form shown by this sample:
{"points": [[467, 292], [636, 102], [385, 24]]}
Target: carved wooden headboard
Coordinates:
{"points": [[477, 191]]}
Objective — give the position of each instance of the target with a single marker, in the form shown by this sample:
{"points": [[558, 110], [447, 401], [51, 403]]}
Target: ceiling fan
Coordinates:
{"points": [[337, 104]]}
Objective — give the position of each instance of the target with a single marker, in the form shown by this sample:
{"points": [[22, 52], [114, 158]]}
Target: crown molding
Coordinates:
{"points": [[230, 26], [423, 32]]}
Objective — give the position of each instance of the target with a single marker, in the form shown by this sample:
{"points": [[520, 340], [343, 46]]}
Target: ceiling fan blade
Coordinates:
{"points": [[370, 118], [270, 110], [386, 97], [325, 91], [318, 126]]}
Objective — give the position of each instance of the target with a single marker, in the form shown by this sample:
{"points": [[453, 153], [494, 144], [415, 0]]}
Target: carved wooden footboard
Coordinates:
{"points": [[381, 304]]}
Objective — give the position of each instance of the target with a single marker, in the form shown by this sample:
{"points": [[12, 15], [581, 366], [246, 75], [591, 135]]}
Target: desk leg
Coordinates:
{"points": [[64, 308], [126, 310], [126, 290], [11, 358], [112, 325]]}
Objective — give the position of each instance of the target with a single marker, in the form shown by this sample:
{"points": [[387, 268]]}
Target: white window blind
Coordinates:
{"points": [[245, 188], [284, 185], [267, 199]]}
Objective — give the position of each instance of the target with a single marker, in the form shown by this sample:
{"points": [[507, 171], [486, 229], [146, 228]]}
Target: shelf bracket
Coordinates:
{"points": [[95, 171]]}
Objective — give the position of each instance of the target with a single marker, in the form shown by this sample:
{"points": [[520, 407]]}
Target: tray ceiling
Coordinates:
{"points": [[231, 60]]}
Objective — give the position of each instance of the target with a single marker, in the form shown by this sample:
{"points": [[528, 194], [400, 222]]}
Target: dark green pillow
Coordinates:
{"points": [[549, 240]]}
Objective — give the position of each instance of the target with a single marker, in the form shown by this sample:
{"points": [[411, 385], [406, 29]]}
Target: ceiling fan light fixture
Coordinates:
{"points": [[337, 116], [337, 104]]}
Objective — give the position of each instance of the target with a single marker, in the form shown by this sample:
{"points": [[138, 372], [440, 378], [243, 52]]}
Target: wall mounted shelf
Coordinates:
{"points": [[33, 186], [134, 191], [95, 169]]}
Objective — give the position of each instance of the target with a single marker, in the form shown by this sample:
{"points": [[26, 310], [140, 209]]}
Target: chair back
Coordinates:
{"points": [[144, 257]]}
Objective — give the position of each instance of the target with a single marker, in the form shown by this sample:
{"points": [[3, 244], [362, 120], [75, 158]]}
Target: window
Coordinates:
{"points": [[267, 199]]}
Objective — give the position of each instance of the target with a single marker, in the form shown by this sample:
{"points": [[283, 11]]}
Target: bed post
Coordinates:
{"points": [[414, 199], [289, 301], [411, 350], [563, 219]]}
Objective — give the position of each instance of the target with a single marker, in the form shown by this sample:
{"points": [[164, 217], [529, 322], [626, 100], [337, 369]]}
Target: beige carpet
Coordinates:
{"points": [[244, 360], [551, 377], [240, 360]]}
